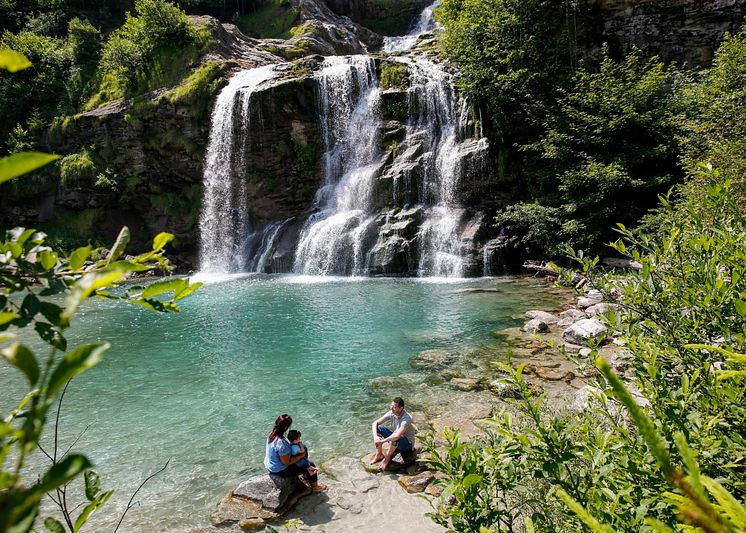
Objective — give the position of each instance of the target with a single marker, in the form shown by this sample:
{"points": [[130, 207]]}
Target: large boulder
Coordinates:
{"points": [[547, 318], [260, 498], [583, 331]]}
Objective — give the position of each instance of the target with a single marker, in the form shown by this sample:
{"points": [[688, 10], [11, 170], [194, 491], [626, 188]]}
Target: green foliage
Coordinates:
{"points": [[78, 169], [716, 131], [306, 157], [394, 75], [273, 20], [512, 54], [608, 151], [198, 87], [683, 320], [151, 49]]}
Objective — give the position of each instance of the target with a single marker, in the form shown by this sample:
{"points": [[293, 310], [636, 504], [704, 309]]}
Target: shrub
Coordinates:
{"points": [[78, 169], [683, 320], [153, 48], [394, 75]]}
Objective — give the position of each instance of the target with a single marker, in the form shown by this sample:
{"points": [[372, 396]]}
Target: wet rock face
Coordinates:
{"points": [[679, 31], [398, 14], [283, 169]]}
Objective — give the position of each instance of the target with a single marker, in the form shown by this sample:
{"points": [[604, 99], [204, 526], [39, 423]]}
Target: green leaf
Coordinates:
{"points": [[47, 259], [53, 313], [66, 470], [161, 240], [24, 360], [21, 235], [189, 289], [50, 335], [735, 511], [92, 484], [120, 245], [741, 307], [129, 266], [471, 479], [86, 286], [13, 61], [692, 468], [585, 517], [78, 257], [75, 362], [655, 442], [30, 306], [6, 317], [97, 503], [22, 163], [53, 525], [159, 287]]}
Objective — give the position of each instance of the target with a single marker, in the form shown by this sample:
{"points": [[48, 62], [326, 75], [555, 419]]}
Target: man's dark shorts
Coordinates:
{"points": [[402, 445]]}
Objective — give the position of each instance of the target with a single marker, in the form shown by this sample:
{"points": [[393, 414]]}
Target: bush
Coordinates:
{"points": [[151, 49], [683, 320], [394, 75], [78, 170], [716, 131]]}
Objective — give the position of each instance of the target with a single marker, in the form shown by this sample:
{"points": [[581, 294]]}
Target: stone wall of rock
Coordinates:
{"points": [[364, 11], [680, 31]]}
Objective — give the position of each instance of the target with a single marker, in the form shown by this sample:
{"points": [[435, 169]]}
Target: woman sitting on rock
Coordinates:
{"points": [[279, 460]]}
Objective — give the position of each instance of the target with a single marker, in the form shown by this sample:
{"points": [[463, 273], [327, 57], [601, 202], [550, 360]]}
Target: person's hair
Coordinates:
{"points": [[398, 401], [281, 426], [293, 434]]}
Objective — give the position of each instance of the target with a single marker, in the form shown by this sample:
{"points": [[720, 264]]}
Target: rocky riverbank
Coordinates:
{"points": [[457, 389]]}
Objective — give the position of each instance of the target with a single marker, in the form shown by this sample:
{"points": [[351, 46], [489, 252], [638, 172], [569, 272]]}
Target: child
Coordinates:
{"points": [[297, 448]]}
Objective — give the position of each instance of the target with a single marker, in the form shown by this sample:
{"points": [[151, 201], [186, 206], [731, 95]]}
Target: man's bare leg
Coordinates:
{"points": [[389, 455], [379, 453]]}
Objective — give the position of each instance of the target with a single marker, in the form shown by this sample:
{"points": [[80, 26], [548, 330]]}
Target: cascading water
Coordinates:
{"points": [[432, 94], [333, 239], [425, 23], [389, 200], [223, 221]]}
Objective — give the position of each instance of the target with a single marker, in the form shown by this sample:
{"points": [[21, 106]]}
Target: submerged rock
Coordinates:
{"points": [[431, 359]]}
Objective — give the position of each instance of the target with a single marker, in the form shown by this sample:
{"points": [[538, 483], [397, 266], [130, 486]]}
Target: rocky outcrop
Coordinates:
{"points": [[259, 499], [679, 31], [391, 18]]}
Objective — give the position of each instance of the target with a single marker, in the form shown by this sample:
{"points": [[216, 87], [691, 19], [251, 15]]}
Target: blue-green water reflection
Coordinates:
{"points": [[203, 387]]}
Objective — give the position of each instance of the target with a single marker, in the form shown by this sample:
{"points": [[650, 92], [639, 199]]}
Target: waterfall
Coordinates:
{"points": [[332, 240], [223, 221], [425, 23], [431, 93]]}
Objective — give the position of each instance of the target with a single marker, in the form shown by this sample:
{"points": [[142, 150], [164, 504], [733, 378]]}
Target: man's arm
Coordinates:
{"points": [[396, 434], [376, 423]]}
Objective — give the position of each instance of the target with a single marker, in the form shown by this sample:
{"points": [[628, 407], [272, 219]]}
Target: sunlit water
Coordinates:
{"points": [[202, 387]]}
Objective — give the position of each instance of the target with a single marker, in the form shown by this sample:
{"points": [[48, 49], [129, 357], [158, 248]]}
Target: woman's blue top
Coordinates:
{"points": [[276, 448]]}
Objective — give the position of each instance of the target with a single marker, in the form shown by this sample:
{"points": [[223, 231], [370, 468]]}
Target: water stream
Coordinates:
{"points": [[224, 219]]}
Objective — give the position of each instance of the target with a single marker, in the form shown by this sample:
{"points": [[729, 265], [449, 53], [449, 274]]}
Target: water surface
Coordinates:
{"points": [[203, 387]]}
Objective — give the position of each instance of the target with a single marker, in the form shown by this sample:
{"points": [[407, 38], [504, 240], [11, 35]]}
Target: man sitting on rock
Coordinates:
{"points": [[401, 435]]}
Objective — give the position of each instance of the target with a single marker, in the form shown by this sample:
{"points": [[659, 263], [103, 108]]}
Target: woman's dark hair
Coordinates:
{"points": [[281, 426]]}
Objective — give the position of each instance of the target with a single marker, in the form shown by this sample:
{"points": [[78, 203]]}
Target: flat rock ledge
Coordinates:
{"points": [[258, 500]]}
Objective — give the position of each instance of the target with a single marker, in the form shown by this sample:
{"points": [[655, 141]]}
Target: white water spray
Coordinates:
{"points": [[223, 221]]}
